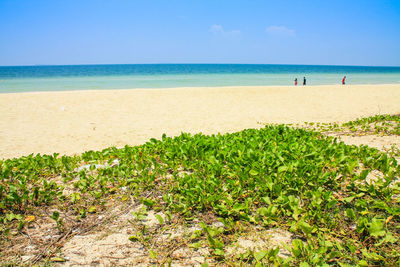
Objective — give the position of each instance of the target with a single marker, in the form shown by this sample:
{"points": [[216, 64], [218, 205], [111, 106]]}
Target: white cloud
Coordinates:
{"points": [[219, 30], [216, 29], [280, 31]]}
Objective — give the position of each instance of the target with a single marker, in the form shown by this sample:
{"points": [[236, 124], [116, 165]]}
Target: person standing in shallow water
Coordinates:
{"points": [[304, 81], [295, 81], [344, 80]]}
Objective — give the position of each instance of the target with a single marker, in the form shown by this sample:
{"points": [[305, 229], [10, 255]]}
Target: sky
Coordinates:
{"points": [[55, 32]]}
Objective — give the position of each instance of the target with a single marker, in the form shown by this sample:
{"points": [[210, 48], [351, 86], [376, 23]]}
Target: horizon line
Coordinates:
{"points": [[102, 64]]}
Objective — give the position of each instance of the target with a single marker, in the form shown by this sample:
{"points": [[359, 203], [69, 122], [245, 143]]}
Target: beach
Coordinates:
{"points": [[72, 122]]}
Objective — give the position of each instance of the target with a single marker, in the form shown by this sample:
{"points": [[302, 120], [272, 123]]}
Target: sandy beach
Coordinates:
{"points": [[77, 121]]}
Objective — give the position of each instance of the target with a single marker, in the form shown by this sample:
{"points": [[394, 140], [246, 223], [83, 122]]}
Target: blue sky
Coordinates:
{"points": [[357, 32]]}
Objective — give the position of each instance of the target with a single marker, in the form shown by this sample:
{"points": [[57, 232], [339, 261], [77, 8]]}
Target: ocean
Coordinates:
{"points": [[98, 77]]}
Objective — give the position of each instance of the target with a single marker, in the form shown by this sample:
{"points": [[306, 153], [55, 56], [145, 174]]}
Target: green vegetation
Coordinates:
{"points": [[379, 124], [276, 177]]}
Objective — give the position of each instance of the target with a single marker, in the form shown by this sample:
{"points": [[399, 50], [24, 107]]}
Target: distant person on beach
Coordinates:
{"points": [[295, 81], [344, 80], [304, 81]]}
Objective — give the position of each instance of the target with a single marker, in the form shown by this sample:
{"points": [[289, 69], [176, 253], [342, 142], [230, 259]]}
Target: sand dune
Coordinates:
{"points": [[74, 122]]}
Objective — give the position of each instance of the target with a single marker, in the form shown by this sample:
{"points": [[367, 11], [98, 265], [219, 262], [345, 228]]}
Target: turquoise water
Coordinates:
{"points": [[95, 77]]}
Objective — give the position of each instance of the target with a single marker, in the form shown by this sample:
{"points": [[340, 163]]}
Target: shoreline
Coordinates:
{"points": [[71, 122], [197, 87]]}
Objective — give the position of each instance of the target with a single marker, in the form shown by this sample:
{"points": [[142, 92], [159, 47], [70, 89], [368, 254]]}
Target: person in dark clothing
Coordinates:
{"points": [[304, 81]]}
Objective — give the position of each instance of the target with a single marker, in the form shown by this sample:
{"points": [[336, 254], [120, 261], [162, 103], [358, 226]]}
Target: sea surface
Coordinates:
{"points": [[97, 77]]}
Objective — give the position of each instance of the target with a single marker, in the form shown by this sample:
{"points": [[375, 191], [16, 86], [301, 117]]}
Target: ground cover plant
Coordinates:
{"points": [[379, 125], [324, 192]]}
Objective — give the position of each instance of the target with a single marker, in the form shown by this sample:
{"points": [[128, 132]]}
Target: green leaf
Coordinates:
{"points": [[152, 254], [55, 215], [10, 216], [372, 255], [297, 247], [305, 227], [263, 211], [387, 239], [282, 168], [376, 228], [348, 199], [350, 213], [92, 209], [159, 218], [266, 200], [362, 263], [253, 172], [260, 255], [196, 245], [148, 202], [219, 252]]}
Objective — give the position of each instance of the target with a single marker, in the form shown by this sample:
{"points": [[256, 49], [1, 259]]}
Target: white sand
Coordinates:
{"points": [[74, 122]]}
